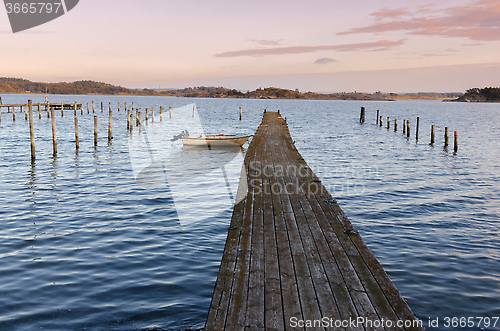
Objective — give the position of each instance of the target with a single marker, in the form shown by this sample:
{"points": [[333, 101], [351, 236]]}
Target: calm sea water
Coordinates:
{"points": [[84, 246]]}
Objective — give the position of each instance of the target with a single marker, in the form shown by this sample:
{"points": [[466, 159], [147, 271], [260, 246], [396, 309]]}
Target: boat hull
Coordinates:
{"points": [[216, 141]]}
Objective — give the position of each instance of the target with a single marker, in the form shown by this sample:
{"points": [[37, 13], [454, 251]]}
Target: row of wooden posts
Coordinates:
{"points": [[50, 107], [407, 128]]}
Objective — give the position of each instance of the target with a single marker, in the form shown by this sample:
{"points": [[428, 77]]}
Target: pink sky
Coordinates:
{"points": [[326, 46]]}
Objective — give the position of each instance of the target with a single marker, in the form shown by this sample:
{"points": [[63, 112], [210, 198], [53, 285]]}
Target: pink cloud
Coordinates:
{"points": [[477, 21], [380, 45]]}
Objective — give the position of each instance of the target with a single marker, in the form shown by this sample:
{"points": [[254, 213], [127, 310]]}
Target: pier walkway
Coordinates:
{"points": [[292, 260]]}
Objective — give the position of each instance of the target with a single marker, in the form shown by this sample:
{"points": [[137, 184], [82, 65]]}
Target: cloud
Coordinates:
{"points": [[476, 21], [325, 60], [380, 45], [267, 42]]}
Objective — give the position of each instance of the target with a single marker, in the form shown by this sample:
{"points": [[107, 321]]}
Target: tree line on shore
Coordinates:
{"points": [[18, 85]]}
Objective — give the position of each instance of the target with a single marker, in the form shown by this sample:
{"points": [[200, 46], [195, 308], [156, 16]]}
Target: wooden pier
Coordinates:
{"points": [[292, 260]]}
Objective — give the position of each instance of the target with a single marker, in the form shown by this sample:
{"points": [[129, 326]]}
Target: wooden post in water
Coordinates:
{"points": [[153, 114], [139, 120], [54, 138], [395, 125], [446, 136], [75, 108], [361, 116], [77, 137], [119, 106], [241, 111], [88, 109], [125, 106], [404, 126], [381, 120], [147, 115], [93, 109], [25, 112], [32, 130], [47, 107], [378, 112], [13, 114], [62, 109], [128, 119], [131, 127], [455, 147], [388, 122], [170, 110], [193, 111], [110, 126], [408, 127], [95, 130], [102, 109], [132, 106], [433, 133], [161, 113], [110, 106], [39, 111], [418, 128]]}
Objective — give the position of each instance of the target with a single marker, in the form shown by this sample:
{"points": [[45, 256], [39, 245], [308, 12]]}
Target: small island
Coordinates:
{"points": [[487, 94]]}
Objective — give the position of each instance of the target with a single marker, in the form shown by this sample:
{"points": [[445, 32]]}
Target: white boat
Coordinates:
{"points": [[213, 140]]}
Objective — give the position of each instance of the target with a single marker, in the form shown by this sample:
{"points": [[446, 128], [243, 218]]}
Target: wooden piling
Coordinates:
{"points": [[110, 126], [39, 111], [161, 113], [404, 126], [153, 114], [25, 112], [131, 127], [109, 106], [170, 110], [455, 147], [361, 116], [32, 130], [446, 136], [433, 133], [395, 125], [147, 115], [388, 122], [118, 106], [240, 113], [125, 106], [13, 114], [378, 112], [54, 137], [95, 130], [193, 111], [381, 120], [132, 106], [75, 108], [48, 110], [62, 109], [77, 137], [408, 127], [128, 119], [93, 109], [417, 128]]}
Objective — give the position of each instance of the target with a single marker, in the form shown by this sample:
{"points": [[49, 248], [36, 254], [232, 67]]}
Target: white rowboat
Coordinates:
{"points": [[215, 140]]}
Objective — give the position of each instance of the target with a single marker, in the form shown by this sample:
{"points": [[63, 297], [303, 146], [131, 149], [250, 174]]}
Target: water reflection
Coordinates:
{"points": [[32, 182]]}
